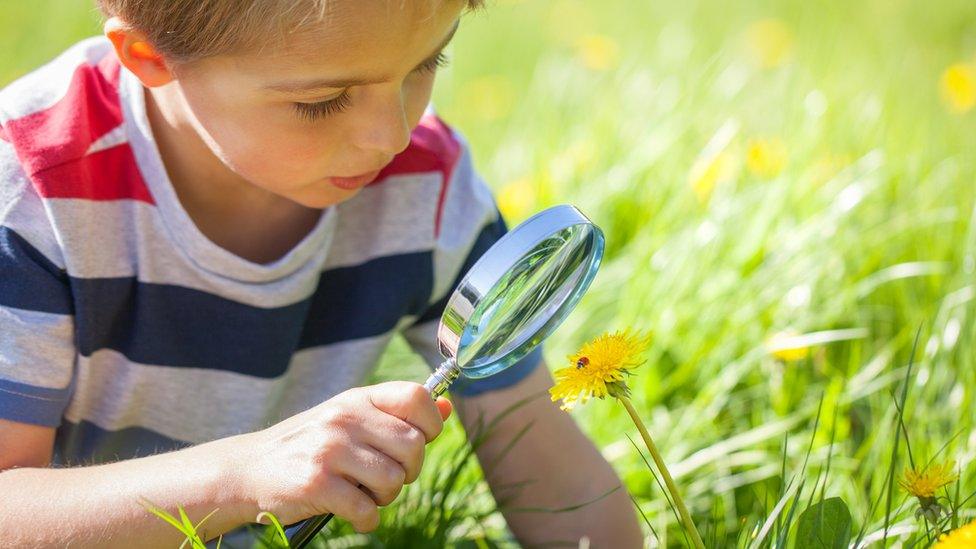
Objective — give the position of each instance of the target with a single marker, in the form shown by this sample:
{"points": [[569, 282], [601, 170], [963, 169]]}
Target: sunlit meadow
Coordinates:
{"points": [[787, 190]]}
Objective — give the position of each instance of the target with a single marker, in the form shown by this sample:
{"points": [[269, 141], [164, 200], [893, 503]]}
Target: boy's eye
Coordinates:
{"points": [[314, 111], [434, 63], [321, 109]]}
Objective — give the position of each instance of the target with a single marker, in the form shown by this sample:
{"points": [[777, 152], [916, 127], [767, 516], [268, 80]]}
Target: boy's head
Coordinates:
{"points": [[307, 99]]}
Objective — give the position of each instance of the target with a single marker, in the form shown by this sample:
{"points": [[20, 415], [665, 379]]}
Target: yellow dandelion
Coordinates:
{"points": [[517, 198], [715, 164], [963, 537], [708, 173], [922, 483], [598, 52], [788, 347], [489, 97], [766, 157], [770, 42], [958, 87], [598, 368]]}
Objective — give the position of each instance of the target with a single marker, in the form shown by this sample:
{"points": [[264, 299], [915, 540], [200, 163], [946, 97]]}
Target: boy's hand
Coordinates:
{"points": [[346, 456]]}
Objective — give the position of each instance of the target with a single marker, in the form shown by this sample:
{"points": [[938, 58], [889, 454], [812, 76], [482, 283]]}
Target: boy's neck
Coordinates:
{"points": [[238, 216]]}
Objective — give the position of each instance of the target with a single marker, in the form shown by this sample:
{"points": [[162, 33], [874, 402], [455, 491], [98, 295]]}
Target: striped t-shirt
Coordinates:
{"points": [[123, 326]]}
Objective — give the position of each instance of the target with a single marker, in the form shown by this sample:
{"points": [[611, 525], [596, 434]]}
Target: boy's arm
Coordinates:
{"points": [[560, 465], [308, 464], [96, 506]]}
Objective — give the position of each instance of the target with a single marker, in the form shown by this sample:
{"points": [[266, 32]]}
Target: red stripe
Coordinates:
{"points": [[433, 148], [52, 143], [109, 174], [65, 130]]}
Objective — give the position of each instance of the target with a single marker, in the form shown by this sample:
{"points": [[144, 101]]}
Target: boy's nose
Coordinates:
{"points": [[385, 128]]}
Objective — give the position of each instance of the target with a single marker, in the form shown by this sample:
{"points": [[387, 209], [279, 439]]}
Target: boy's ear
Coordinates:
{"points": [[137, 54]]}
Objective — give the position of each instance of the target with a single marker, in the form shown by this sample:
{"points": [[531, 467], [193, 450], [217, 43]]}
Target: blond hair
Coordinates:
{"points": [[186, 30]]}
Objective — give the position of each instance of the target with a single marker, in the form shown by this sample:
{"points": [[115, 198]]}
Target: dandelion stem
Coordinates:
{"points": [[663, 469]]}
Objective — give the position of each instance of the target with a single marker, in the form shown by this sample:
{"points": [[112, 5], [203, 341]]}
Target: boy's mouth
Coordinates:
{"points": [[354, 182]]}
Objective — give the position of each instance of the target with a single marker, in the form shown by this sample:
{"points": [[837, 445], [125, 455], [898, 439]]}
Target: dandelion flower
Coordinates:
{"points": [[598, 52], [960, 538], [958, 87], [922, 483], [770, 42], [766, 157], [788, 347], [517, 198], [491, 97], [598, 368]]}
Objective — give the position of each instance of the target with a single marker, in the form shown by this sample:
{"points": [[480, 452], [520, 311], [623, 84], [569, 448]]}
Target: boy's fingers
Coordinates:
{"points": [[409, 402], [444, 406]]}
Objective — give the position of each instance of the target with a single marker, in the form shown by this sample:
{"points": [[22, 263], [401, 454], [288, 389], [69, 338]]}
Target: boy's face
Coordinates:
{"points": [[315, 120]]}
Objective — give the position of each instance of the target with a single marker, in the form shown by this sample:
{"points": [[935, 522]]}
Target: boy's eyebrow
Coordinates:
{"points": [[311, 85]]}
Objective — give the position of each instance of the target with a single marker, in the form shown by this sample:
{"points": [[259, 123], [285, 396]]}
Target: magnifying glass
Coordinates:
{"points": [[514, 297]]}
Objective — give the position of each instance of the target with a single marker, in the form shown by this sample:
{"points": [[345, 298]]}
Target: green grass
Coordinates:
{"points": [[868, 227]]}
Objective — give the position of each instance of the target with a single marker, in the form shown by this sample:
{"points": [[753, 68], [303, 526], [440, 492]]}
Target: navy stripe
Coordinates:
{"points": [[85, 443], [368, 300], [29, 280], [170, 325], [29, 404]]}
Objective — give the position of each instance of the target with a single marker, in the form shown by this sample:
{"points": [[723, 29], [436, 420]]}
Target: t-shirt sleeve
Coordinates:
{"points": [[37, 352], [469, 224]]}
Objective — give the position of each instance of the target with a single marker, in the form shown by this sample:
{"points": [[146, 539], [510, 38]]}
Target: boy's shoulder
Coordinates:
{"points": [[57, 114]]}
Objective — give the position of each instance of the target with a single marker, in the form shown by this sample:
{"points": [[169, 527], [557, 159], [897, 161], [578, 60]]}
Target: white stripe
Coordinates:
{"points": [[394, 217], [36, 348], [45, 86], [115, 137], [22, 210], [124, 238], [468, 206], [197, 405]]}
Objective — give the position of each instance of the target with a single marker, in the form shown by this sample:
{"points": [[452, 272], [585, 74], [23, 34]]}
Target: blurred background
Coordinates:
{"points": [[787, 190]]}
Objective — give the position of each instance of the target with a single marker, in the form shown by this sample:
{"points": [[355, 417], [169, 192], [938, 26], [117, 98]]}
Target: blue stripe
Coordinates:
{"points": [[368, 300], [171, 325], [29, 404], [28, 279], [85, 443]]}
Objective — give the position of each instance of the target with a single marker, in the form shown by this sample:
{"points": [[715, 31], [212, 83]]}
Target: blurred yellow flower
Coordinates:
{"points": [[963, 537], [922, 483], [958, 87], [516, 198], [827, 167], [788, 347], [598, 368], [766, 157], [598, 52], [489, 97], [705, 174], [770, 42], [714, 164]]}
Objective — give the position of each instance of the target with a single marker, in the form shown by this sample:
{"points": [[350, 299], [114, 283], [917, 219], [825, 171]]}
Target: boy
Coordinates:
{"points": [[211, 224]]}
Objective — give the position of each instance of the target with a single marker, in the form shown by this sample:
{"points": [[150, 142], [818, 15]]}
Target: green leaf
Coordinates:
{"points": [[825, 525]]}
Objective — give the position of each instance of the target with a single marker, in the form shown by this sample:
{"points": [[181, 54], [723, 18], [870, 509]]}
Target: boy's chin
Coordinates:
{"points": [[324, 198]]}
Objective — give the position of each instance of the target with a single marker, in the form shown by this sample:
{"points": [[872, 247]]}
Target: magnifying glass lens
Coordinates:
{"points": [[529, 301]]}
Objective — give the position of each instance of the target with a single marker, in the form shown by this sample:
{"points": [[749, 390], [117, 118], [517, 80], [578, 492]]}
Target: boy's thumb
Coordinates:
{"points": [[445, 407]]}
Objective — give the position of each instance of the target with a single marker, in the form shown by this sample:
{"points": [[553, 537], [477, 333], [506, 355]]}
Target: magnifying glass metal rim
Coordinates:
{"points": [[490, 268]]}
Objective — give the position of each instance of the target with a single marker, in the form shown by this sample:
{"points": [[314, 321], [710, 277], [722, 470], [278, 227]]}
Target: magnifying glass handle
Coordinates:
{"points": [[437, 383], [442, 378]]}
